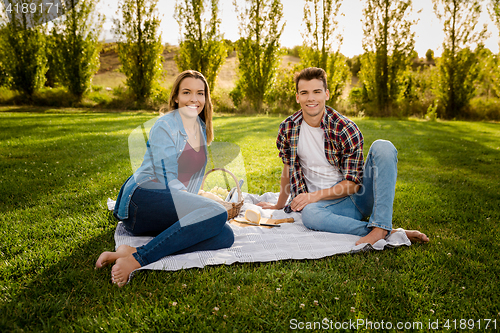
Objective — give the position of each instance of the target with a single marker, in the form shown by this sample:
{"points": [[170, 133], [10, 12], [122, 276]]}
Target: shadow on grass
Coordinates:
{"points": [[452, 146], [72, 296], [49, 153], [241, 127], [63, 292], [446, 190]]}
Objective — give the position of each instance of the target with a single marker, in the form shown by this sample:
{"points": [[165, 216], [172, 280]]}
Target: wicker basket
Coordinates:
{"points": [[233, 208]]}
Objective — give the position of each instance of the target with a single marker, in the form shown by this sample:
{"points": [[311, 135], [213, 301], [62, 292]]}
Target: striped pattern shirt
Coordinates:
{"points": [[343, 148]]}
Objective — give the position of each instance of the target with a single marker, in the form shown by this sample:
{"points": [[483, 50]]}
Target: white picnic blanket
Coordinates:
{"points": [[256, 244]]}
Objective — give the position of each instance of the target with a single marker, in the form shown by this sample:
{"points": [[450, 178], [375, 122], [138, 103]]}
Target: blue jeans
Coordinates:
{"points": [[374, 198], [181, 222]]}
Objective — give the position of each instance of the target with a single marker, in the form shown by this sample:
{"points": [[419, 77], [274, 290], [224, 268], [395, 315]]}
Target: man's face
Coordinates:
{"points": [[312, 97]]}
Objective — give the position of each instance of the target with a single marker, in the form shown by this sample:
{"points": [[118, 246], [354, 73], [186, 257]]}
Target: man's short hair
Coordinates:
{"points": [[309, 74]]}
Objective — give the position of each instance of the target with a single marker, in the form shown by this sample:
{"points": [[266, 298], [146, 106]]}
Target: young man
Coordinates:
{"points": [[323, 169]]}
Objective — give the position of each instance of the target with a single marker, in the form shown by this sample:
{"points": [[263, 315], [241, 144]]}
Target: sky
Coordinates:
{"points": [[429, 34]]}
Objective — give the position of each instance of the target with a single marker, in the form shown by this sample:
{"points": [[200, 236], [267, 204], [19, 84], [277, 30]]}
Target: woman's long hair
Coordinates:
{"points": [[205, 114]]}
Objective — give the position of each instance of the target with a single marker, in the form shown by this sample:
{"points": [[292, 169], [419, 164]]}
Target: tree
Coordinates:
{"points": [[202, 46], [22, 50], [388, 43], [488, 80], [494, 10], [139, 46], [429, 55], [258, 50], [4, 79], [457, 66], [319, 39], [76, 56]]}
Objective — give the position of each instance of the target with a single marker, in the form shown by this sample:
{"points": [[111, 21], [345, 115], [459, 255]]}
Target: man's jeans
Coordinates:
{"points": [[181, 222], [375, 198]]}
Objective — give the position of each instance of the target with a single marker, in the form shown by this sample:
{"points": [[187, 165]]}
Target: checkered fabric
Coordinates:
{"points": [[343, 148]]}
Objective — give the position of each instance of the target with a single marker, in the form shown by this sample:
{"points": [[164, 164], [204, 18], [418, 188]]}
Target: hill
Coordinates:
{"points": [[109, 75]]}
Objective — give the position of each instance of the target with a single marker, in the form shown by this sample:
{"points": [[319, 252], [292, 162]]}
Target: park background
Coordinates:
{"points": [[430, 59], [68, 109]]}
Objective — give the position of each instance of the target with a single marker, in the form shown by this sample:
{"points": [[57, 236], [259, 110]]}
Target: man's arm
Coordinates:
{"points": [[284, 191], [339, 190]]}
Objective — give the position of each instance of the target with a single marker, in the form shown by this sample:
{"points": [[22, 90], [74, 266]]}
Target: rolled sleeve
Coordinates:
{"points": [[283, 144], [352, 156]]}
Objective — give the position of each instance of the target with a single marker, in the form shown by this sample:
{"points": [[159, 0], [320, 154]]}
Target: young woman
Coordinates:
{"points": [[160, 198]]}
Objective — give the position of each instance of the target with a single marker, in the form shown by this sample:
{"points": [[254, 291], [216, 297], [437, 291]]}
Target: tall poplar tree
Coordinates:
{"points": [[320, 18], [494, 10], [23, 53], [202, 45], [76, 37], [4, 79], [388, 42], [458, 67], [258, 50], [139, 45]]}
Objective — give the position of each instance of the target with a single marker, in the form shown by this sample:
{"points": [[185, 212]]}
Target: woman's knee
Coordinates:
{"points": [[220, 212], [226, 236]]}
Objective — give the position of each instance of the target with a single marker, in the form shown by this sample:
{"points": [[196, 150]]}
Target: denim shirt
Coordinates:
{"points": [[166, 143]]}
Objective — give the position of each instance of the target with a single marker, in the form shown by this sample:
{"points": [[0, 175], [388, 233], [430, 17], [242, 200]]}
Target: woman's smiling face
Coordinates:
{"points": [[191, 97]]}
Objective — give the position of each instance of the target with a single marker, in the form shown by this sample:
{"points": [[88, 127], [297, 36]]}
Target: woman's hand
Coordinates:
{"points": [[268, 205]]}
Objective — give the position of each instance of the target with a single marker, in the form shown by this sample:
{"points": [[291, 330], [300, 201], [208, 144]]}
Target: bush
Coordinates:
{"points": [[357, 96], [4, 77], [484, 109], [222, 102], [99, 97], [159, 97], [280, 97], [237, 95], [54, 97], [294, 51], [348, 108], [6, 95]]}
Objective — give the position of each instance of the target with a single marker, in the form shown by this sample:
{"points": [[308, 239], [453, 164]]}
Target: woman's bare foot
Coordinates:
{"points": [[122, 269], [416, 236], [107, 258], [374, 236]]}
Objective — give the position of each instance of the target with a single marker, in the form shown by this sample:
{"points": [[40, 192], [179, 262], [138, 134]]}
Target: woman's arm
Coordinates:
{"points": [[162, 143]]}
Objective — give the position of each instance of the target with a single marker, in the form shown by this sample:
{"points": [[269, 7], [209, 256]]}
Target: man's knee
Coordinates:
{"points": [[384, 148], [308, 216]]}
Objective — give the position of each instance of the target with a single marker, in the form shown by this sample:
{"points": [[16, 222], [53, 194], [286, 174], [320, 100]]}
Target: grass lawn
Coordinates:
{"points": [[58, 167]]}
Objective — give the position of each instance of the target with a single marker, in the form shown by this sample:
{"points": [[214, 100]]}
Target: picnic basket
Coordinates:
{"points": [[233, 208]]}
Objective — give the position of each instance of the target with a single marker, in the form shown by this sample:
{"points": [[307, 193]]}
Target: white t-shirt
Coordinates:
{"points": [[318, 172]]}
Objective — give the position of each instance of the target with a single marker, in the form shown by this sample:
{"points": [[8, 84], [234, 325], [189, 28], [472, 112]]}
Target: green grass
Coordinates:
{"points": [[60, 165]]}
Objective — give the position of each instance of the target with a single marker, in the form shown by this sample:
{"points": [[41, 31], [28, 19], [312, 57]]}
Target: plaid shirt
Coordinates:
{"points": [[343, 148]]}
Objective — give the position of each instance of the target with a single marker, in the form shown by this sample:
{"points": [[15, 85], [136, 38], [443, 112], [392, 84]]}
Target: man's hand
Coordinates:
{"points": [[268, 205], [302, 200]]}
